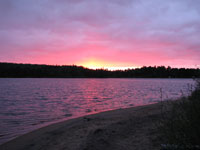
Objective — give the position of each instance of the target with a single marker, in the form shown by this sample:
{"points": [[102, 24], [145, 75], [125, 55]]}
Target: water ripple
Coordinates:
{"points": [[27, 104]]}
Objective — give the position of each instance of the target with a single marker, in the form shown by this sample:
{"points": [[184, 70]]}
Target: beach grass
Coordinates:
{"points": [[180, 127]]}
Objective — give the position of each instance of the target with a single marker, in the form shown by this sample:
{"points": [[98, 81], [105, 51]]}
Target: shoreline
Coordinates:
{"points": [[129, 128]]}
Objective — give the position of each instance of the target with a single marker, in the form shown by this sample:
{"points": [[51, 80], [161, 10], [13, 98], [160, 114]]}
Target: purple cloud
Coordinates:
{"points": [[132, 32]]}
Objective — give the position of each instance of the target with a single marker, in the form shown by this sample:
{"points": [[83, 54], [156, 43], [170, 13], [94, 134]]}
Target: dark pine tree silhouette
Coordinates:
{"points": [[13, 70]]}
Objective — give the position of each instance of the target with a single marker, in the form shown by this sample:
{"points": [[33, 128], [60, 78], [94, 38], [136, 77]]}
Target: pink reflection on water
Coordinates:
{"points": [[27, 104]]}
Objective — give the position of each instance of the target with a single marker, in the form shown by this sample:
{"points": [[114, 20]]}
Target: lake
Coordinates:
{"points": [[28, 104]]}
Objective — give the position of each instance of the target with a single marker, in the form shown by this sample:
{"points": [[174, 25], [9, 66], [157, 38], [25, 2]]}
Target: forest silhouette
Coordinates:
{"points": [[14, 70]]}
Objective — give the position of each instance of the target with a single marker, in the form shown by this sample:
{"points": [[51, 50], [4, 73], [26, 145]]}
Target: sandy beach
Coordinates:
{"points": [[122, 129]]}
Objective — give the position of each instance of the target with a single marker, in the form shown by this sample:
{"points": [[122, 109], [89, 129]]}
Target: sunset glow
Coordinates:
{"points": [[101, 64], [114, 34], [93, 64]]}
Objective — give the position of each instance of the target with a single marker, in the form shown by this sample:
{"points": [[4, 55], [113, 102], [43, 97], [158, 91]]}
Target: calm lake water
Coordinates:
{"points": [[27, 104]]}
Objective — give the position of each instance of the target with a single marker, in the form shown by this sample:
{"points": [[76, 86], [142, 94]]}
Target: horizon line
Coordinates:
{"points": [[105, 68]]}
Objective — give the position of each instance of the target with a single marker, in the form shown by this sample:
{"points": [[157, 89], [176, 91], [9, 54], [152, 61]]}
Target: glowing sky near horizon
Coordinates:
{"points": [[101, 33]]}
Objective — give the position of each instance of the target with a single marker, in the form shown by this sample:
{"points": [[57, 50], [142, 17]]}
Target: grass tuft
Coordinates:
{"points": [[180, 127]]}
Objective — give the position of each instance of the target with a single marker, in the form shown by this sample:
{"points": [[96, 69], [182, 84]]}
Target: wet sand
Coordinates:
{"points": [[123, 129]]}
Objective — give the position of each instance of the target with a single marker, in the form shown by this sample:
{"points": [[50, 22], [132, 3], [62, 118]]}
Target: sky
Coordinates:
{"points": [[109, 34]]}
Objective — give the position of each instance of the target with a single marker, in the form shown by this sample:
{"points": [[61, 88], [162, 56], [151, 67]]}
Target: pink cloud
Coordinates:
{"points": [[128, 32]]}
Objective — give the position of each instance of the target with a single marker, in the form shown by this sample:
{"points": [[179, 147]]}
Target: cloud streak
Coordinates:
{"points": [[125, 32]]}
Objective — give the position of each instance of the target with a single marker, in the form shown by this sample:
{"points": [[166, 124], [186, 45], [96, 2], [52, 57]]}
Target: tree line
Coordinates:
{"points": [[13, 70]]}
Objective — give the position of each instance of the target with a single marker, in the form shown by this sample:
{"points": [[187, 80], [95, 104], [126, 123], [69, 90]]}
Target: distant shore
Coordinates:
{"points": [[14, 70], [131, 128]]}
